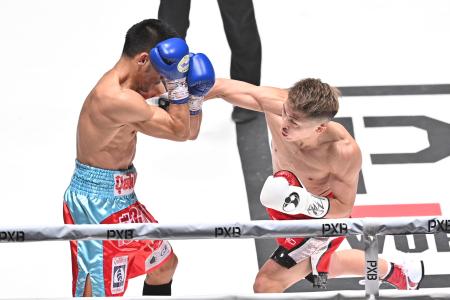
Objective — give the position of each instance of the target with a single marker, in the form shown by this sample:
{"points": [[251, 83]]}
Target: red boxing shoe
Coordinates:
{"points": [[407, 276]]}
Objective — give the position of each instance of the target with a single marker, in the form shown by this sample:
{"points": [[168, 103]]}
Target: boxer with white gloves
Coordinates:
{"points": [[277, 194], [316, 166]]}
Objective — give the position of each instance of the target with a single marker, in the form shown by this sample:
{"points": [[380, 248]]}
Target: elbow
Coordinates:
{"points": [[181, 138], [193, 135], [339, 210], [346, 212], [182, 134], [344, 215]]}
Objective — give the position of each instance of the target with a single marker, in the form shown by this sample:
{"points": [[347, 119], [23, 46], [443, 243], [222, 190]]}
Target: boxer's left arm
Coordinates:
{"points": [[249, 96], [345, 162], [200, 79], [194, 126], [172, 123]]}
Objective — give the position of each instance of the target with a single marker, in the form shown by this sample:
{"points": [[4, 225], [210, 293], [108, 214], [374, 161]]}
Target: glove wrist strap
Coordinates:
{"points": [[178, 91], [310, 204]]}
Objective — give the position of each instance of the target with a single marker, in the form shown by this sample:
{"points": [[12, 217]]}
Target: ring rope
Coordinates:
{"points": [[369, 228], [250, 229]]}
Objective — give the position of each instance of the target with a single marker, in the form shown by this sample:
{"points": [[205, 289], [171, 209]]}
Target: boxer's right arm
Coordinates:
{"points": [[130, 108], [246, 95]]}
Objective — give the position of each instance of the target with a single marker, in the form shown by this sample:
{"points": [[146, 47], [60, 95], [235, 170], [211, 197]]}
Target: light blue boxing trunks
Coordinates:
{"points": [[99, 196]]}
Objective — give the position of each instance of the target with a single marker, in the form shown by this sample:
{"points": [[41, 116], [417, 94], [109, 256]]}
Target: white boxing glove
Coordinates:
{"points": [[278, 194]]}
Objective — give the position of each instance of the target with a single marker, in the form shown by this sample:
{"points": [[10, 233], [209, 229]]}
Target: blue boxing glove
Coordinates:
{"points": [[171, 59], [200, 80]]}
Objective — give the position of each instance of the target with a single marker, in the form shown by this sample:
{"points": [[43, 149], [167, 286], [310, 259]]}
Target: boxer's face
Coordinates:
{"points": [[148, 79], [296, 126]]}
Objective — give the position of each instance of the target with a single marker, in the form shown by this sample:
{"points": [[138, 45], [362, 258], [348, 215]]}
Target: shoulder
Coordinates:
{"points": [[347, 149], [119, 105], [345, 152], [111, 97], [109, 91]]}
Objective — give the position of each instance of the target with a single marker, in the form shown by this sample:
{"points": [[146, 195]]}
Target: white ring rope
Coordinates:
{"points": [[250, 229], [369, 228]]}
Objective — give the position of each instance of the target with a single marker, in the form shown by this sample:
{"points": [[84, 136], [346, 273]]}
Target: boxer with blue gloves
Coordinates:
{"points": [[171, 59], [201, 78], [101, 190]]}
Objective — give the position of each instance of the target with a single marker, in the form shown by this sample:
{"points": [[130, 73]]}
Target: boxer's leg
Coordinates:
{"points": [[87, 287], [275, 278], [159, 280], [353, 262], [406, 276]]}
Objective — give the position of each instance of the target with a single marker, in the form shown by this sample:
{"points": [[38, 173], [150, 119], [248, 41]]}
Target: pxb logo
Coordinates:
{"points": [[234, 232]]}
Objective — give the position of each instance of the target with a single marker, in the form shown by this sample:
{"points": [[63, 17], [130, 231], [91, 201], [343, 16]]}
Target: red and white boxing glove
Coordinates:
{"points": [[285, 193]]}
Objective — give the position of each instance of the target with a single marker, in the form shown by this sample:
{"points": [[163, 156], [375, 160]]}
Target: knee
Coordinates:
{"points": [[164, 272], [265, 284], [174, 262], [259, 284], [169, 266]]}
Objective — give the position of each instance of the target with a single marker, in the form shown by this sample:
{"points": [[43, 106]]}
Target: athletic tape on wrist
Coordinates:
{"points": [[178, 91], [195, 104]]}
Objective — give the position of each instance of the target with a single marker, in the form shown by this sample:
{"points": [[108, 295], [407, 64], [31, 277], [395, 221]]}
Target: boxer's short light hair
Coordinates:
{"points": [[314, 98]]}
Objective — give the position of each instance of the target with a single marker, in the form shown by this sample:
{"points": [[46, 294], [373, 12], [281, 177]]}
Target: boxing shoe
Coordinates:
{"points": [[407, 276]]}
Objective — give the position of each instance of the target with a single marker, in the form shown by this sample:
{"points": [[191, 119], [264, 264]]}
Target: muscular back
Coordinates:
{"points": [[101, 141]]}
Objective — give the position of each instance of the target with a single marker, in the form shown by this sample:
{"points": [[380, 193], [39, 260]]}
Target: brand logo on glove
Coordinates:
{"points": [[316, 208], [183, 65], [291, 202]]}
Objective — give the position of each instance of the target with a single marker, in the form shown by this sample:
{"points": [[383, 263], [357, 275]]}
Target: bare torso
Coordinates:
{"points": [[313, 167], [101, 142]]}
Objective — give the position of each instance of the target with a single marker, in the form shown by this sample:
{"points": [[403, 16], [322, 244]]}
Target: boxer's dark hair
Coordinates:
{"points": [[143, 36]]}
